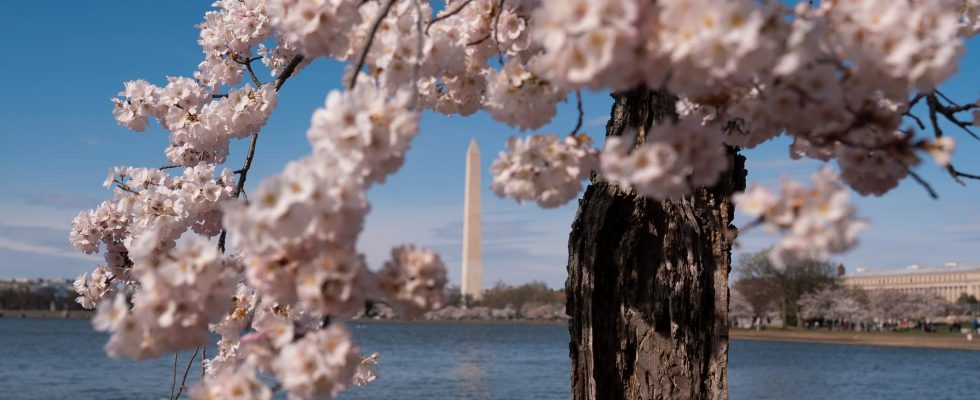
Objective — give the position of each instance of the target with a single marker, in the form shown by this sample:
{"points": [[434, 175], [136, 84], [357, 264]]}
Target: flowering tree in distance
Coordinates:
{"points": [[694, 81]]}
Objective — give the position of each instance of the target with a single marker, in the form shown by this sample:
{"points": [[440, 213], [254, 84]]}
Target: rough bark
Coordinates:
{"points": [[648, 280]]}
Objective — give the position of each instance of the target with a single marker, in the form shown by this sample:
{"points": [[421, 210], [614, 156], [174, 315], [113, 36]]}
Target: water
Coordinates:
{"points": [[55, 359]]}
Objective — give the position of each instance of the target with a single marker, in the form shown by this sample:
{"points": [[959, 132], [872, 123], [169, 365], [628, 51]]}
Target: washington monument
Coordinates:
{"points": [[472, 284]]}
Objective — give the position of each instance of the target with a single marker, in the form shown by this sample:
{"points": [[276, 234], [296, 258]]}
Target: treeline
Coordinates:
{"points": [[21, 298], [530, 301], [761, 289], [810, 294]]}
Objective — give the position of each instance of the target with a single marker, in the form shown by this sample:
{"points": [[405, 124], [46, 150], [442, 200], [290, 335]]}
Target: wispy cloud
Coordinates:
{"points": [[962, 228], [597, 121], [60, 200], [90, 140], [18, 246]]}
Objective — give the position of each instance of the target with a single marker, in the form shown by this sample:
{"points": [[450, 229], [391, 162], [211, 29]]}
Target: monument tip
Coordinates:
{"points": [[473, 146]]}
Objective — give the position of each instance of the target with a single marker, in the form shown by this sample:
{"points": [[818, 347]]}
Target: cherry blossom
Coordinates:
{"points": [[413, 280], [815, 222], [543, 168]]}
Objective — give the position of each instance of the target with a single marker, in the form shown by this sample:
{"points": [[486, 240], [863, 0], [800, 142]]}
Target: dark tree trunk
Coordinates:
{"points": [[648, 280]]}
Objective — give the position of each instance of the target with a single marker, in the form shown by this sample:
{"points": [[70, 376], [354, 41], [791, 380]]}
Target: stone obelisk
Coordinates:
{"points": [[472, 282]]}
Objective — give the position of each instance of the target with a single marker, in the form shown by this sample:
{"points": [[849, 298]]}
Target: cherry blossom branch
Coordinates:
{"points": [[255, 79], [447, 15], [243, 172], [367, 45], [288, 71], [240, 185], [186, 370], [937, 108]]}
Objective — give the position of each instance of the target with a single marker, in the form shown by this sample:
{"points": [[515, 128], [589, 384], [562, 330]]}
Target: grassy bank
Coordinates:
{"points": [[897, 339]]}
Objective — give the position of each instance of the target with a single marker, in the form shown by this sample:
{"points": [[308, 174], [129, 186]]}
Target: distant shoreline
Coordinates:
{"points": [[44, 314], [457, 321], [890, 339]]}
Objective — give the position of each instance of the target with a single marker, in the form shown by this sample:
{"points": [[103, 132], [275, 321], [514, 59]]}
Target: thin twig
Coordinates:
{"points": [[367, 45], [496, 23], [255, 79], [240, 186], [447, 15], [478, 41], [916, 119], [288, 71], [169, 166], [578, 124], [946, 98], [173, 385], [204, 357], [418, 54], [243, 173], [186, 370], [926, 185]]}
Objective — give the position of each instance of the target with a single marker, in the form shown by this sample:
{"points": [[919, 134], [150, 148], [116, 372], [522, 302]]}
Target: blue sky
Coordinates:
{"points": [[64, 63]]}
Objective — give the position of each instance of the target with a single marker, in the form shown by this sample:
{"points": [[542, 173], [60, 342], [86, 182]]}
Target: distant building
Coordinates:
{"points": [[949, 281]]}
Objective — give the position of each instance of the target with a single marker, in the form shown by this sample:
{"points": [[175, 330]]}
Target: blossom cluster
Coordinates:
{"points": [[200, 128], [545, 169], [814, 221], [674, 158], [413, 280], [318, 27], [227, 36], [308, 359], [181, 291], [147, 200], [517, 98], [368, 131]]}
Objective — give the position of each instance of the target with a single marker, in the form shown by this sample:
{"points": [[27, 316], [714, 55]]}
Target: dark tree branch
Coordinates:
{"points": [[578, 124], [255, 79], [925, 185], [186, 370], [288, 71], [478, 41], [240, 186], [367, 45], [916, 119], [496, 23], [243, 172], [447, 15], [173, 385]]}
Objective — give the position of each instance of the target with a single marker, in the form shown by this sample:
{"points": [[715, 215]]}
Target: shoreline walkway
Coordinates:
{"points": [[894, 339]]}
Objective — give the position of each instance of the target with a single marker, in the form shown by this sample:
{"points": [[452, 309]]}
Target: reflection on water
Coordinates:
{"points": [[470, 370], [57, 359]]}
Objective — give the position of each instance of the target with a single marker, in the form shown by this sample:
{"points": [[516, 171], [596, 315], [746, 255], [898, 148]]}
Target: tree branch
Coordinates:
{"points": [[578, 124], [925, 185], [288, 71], [496, 23], [186, 370], [240, 186], [447, 15], [243, 172], [173, 385], [367, 45]]}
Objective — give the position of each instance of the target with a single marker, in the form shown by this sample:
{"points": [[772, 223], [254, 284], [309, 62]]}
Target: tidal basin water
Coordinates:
{"points": [[61, 359]]}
